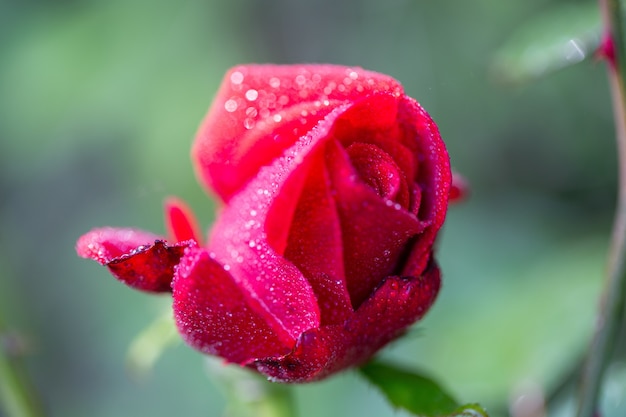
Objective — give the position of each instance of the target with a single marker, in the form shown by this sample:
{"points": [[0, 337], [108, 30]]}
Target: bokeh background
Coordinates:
{"points": [[99, 103]]}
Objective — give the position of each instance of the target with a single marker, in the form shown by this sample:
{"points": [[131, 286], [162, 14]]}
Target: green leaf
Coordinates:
{"points": [[564, 36], [416, 393]]}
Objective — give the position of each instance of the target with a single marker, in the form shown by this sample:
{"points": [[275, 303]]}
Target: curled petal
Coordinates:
{"points": [[265, 108], [398, 303], [214, 315], [433, 179], [241, 241], [378, 170], [140, 259], [374, 230]]}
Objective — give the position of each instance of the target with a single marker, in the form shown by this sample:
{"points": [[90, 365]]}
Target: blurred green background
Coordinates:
{"points": [[99, 102]]}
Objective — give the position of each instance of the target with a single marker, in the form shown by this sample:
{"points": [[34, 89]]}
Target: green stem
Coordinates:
{"points": [[17, 398], [614, 293], [250, 395]]}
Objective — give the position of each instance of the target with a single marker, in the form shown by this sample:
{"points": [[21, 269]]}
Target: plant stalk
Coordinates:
{"points": [[614, 293], [17, 396]]}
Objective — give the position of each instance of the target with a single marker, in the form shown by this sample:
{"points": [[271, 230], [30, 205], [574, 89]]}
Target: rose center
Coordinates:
{"points": [[377, 169]]}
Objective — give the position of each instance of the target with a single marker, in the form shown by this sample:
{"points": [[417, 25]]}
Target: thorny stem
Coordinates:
{"points": [[17, 398], [614, 293]]}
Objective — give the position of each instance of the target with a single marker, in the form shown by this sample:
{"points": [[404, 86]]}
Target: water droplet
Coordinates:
{"points": [[300, 80], [278, 118], [252, 95], [236, 77], [230, 105], [353, 74], [249, 123], [253, 213], [274, 82], [251, 112]]}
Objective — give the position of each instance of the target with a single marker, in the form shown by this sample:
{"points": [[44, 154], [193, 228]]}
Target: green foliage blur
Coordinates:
{"points": [[99, 103]]}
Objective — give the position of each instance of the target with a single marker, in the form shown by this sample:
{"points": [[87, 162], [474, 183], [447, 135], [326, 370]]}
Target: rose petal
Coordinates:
{"points": [[374, 231], [375, 122], [139, 259], [238, 161], [394, 306], [433, 177], [240, 242], [180, 222], [274, 100], [107, 243], [378, 170], [315, 244], [214, 316]]}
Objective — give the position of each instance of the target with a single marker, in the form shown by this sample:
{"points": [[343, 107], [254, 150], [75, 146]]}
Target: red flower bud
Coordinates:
{"points": [[334, 185]]}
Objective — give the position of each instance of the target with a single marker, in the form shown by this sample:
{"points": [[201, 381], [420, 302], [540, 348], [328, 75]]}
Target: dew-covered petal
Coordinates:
{"points": [[315, 244], [213, 314], [396, 304], [433, 174], [240, 241], [140, 259], [180, 221], [375, 231], [265, 108], [433, 178], [378, 170], [237, 161]]}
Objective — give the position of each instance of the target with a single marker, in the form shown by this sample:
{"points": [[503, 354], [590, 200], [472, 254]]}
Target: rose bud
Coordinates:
{"points": [[332, 185]]}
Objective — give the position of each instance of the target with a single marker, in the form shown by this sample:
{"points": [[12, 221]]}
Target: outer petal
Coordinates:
{"points": [[433, 177], [140, 259], [260, 110], [397, 304], [213, 315], [239, 240]]}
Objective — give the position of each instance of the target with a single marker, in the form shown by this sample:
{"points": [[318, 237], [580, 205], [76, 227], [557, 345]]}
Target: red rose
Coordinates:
{"points": [[333, 185]]}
